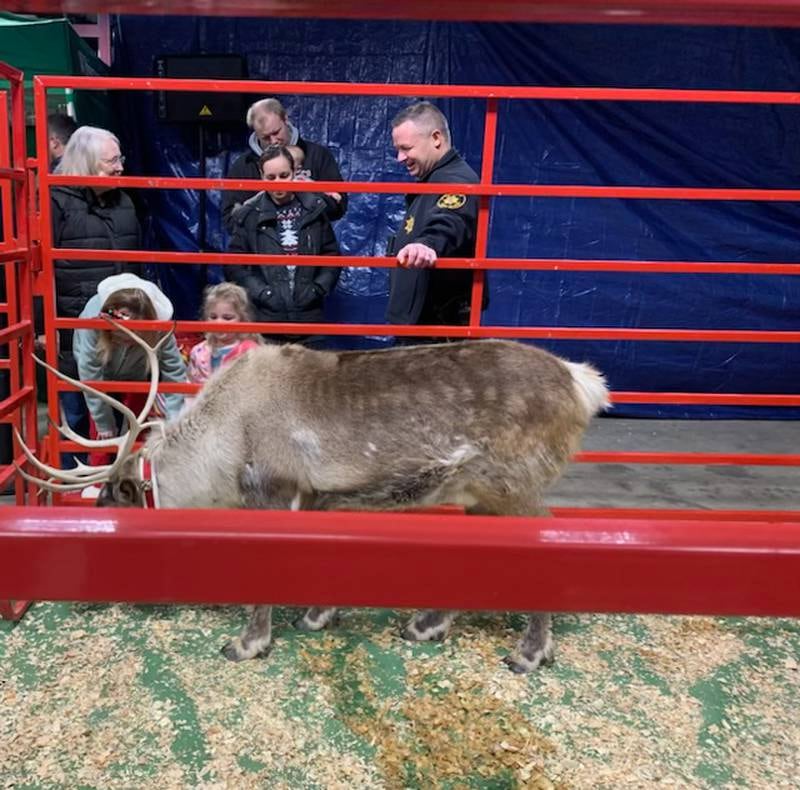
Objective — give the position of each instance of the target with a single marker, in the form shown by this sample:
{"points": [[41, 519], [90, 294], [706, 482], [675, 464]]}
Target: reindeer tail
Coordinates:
{"points": [[590, 387]]}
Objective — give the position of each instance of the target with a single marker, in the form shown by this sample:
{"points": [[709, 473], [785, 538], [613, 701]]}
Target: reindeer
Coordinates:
{"points": [[486, 424]]}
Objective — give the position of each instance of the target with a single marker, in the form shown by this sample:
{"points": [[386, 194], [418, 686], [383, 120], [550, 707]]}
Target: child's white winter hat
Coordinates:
{"points": [[118, 282]]}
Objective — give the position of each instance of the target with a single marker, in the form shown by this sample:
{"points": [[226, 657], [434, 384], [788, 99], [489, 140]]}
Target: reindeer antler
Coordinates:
{"points": [[82, 475]]}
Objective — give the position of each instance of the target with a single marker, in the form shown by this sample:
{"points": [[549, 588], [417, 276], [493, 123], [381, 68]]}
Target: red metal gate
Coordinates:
{"points": [[756, 554]]}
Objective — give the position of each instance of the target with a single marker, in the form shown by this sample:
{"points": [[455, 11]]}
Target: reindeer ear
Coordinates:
{"points": [[127, 493]]}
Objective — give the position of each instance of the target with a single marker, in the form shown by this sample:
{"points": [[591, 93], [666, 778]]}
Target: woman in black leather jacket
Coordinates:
{"points": [[284, 222]]}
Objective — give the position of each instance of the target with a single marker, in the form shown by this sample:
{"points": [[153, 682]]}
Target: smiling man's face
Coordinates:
{"points": [[417, 149]]}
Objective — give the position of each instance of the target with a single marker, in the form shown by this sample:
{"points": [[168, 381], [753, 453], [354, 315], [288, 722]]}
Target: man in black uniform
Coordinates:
{"points": [[271, 126], [435, 226]]}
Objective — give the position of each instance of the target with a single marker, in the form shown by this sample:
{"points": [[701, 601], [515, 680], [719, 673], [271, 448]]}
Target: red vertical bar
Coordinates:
{"points": [[482, 235], [18, 231], [5, 186], [11, 235], [46, 277], [22, 287], [11, 352]]}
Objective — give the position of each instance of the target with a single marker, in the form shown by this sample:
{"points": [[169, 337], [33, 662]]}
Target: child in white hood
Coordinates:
{"points": [[108, 355]]}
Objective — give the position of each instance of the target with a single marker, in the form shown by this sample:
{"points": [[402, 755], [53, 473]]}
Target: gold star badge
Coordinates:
{"points": [[451, 201], [409, 226]]}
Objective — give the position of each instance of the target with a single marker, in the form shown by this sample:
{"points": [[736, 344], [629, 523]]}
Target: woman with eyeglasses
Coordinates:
{"points": [[110, 355], [84, 217]]}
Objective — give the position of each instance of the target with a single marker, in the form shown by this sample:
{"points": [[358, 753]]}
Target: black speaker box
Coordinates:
{"points": [[201, 107]]}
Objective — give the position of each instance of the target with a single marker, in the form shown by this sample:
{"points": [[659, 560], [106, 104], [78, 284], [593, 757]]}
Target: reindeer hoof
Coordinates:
{"points": [[301, 625], [414, 636], [304, 624], [233, 652], [526, 665], [515, 666]]}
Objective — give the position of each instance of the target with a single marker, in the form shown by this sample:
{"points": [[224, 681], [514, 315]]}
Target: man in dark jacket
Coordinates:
{"points": [[290, 223], [271, 126], [435, 226], [60, 127]]}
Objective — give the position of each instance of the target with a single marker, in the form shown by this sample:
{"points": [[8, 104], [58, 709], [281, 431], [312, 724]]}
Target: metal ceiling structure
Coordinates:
{"points": [[762, 13]]}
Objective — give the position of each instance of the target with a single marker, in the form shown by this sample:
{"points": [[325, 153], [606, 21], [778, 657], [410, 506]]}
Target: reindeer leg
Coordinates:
{"points": [[536, 646], [429, 625], [255, 639], [316, 618]]}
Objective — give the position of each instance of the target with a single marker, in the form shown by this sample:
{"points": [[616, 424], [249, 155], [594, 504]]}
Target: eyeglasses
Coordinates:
{"points": [[118, 314], [115, 160]]}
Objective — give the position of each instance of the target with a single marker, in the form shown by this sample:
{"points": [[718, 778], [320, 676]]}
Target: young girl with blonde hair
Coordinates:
{"points": [[223, 303]]}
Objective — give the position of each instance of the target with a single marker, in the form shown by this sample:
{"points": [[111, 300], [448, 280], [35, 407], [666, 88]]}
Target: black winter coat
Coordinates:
{"points": [[447, 224], [84, 220], [269, 287], [319, 162]]}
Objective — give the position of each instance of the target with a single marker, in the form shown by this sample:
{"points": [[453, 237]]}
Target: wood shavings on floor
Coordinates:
{"points": [[138, 697]]}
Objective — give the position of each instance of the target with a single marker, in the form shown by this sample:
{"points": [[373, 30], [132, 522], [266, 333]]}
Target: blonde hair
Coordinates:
{"points": [[298, 155], [238, 299], [138, 304]]}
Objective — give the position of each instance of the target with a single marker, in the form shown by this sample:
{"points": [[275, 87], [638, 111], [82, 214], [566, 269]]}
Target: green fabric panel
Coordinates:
{"points": [[36, 46]]}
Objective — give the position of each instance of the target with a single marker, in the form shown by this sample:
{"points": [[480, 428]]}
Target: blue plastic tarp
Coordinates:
{"points": [[540, 142]]}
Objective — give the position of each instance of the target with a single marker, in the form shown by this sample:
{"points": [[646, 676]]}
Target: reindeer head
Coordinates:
{"points": [[122, 482]]}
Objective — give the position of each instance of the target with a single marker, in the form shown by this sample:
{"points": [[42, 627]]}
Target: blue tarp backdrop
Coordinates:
{"points": [[539, 142]]}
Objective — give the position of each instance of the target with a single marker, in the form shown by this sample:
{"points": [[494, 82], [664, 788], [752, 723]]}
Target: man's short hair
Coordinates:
{"points": [[61, 125], [426, 116], [265, 105]]}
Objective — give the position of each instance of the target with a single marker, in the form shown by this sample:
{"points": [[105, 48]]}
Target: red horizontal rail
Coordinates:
{"points": [[418, 188], [8, 472], [676, 513], [600, 565], [550, 333], [13, 254], [10, 73], [12, 174], [674, 398], [14, 401], [705, 459], [415, 90], [15, 331], [537, 264], [771, 13], [706, 398], [591, 457]]}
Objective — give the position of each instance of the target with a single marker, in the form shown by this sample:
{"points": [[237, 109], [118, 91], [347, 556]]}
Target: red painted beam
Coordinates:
{"points": [[772, 13], [401, 560], [478, 263]]}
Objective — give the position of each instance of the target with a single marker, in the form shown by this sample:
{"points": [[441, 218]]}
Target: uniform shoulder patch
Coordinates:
{"points": [[451, 201]]}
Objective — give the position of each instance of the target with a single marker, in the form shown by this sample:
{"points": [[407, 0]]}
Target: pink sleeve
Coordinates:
{"points": [[239, 349]]}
